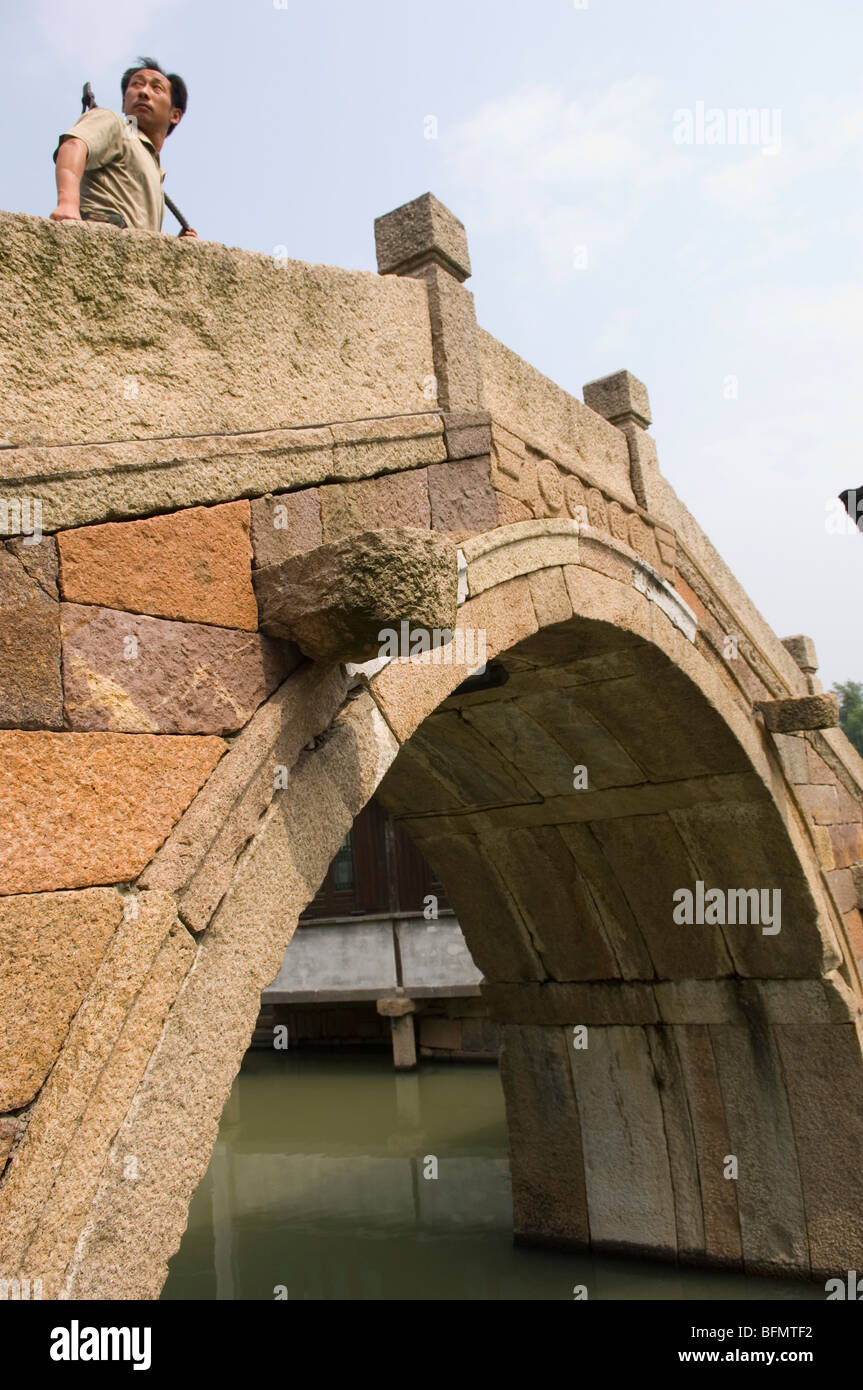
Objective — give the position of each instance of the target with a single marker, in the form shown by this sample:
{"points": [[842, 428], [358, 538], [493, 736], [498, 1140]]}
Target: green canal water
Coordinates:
{"points": [[317, 1188]]}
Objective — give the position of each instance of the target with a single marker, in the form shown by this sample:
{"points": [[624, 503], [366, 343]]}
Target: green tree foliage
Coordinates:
{"points": [[851, 711]]}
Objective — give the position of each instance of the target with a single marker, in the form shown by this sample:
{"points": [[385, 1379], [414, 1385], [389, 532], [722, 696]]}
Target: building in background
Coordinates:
{"points": [[379, 958]]}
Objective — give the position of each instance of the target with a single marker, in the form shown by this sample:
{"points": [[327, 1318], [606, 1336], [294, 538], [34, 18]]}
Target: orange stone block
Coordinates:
{"points": [[194, 565], [689, 596], [854, 927], [83, 809]]}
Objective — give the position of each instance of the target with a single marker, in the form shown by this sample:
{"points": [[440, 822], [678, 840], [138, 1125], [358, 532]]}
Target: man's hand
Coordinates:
{"points": [[66, 212], [189, 233]]}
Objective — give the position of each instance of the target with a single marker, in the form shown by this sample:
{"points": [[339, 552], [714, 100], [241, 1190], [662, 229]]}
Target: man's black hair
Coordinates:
{"points": [[179, 94]]}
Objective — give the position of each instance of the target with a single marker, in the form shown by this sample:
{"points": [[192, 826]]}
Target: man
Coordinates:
{"points": [[108, 168]]}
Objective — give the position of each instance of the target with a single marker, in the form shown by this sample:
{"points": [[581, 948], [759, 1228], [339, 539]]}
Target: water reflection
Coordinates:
{"points": [[321, 1182]]}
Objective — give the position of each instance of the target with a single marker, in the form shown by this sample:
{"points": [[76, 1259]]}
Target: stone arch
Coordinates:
{"points": [[728, 1043]]}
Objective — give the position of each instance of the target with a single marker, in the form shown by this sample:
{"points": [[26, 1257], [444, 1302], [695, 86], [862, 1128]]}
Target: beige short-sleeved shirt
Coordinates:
{"points": [[122, 173]]}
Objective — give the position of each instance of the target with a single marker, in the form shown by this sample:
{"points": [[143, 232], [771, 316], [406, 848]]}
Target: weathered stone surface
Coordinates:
{"points": [[235, 341], [39, 560], [50, 948], [712, 1144], [334, 601], [104, 482], [550, 597], [75, 1078], [844, 890], [408, 691], [847, 842], [803, 650], [620, 398], [761, 1131], [198, 859], [521, 398], [370, 448], [548, 1189], [421, 231], [83, 809], [511, 510], [680, 1142], [818, 771], [802, 712], [828, 1000], [455, 341], [462, 498], [476, 772], [505, 725], [854, 928], [80, 1171], [821, 803], [395, 1007], [550, 484], [149, 675], [404, 1043], [366, 745], [542, 876], [397, 499], [285, 525], [9, 1125], [31, 695], [613, 901], [511, 551], [467, 433], [646, 850], [719, 840], [630, 1199], [792, 754], [597, 1002], [823, 1070], [194, 565]]}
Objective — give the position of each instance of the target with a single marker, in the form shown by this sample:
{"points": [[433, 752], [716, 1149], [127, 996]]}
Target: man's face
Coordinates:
{"points": [[148, 99]]}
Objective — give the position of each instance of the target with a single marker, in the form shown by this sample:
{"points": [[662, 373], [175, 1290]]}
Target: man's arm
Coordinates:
{"points": [[71, 159]]}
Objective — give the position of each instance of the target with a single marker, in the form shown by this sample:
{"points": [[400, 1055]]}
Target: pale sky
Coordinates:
{"points": [[725, 272]]}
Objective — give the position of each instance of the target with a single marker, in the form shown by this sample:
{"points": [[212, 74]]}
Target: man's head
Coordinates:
{"points": [[155, 99]]}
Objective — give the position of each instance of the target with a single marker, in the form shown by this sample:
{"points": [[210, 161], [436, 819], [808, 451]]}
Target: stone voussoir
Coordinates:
{"points": [[197, 861]]}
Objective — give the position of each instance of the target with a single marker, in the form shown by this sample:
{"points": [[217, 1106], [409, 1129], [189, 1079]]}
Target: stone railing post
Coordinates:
{"points": [[425, 240], [803, 650], [622, 400]]}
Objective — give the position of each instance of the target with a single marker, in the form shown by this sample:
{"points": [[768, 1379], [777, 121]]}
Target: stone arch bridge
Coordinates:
{"points": [[221, 474]]}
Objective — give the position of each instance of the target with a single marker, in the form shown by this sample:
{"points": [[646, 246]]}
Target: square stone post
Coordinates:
{"points": [[425, 240], [622, 400], [400, 1011]]}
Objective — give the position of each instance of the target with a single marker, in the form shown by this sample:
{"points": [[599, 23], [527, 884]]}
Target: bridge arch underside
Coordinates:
{"points": [[689, 1092], [705, 1042]]}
